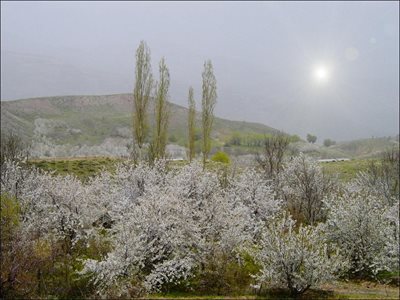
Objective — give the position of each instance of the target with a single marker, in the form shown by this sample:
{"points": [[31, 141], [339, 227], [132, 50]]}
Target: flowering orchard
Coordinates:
{"points": [[144, 229]]}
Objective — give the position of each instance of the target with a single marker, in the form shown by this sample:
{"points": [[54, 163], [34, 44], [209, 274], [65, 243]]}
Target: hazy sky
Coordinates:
{"points": [[265, 56]]}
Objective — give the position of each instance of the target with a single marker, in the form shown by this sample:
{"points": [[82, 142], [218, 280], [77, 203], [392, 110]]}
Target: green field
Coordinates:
{"points": [[84, 168], [346, 170]]}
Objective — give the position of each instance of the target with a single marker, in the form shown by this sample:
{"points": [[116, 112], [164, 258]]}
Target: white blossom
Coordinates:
{"points": [[304, 186], [296, 258], [359, 224]]}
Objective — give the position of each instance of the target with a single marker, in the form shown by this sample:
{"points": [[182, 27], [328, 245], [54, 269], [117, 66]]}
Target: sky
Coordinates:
{"points": [[326, 68]]}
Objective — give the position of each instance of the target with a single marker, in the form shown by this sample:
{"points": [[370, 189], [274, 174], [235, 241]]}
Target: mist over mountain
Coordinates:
{"points": [[263, 55]]}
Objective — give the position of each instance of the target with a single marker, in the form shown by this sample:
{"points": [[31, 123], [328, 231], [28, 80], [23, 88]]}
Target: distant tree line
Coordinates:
{"points": [[254, 139]]}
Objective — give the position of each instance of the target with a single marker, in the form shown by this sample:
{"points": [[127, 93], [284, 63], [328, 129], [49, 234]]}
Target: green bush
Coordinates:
{"points": [[294, 138], [221, 157], [9, 217]]}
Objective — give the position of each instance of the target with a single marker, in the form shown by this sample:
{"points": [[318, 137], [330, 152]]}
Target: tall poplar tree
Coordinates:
{"points": [[209, 99], [141, 94], [191, 124], [161, 113]]}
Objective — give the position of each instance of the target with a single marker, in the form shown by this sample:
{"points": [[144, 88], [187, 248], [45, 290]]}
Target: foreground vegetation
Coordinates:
{"points": [[175, 230]]}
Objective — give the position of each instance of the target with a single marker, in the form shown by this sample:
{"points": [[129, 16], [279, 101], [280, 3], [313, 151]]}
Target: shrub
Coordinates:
{"points": [[296, 259], [12, 148], [303, 186], [365, 228], [221, 157], [272, 155]]}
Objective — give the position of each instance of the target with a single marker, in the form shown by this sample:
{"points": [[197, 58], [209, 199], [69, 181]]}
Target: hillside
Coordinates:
{"points": [[99, 125], [366, 148], [360, 149]]}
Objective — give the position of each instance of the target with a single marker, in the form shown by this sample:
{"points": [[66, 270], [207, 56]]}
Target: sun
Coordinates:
{"points": [[321, 73]]}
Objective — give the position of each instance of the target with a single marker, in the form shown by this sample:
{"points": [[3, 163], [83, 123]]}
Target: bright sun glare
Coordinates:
{"points": [[321, 73]]}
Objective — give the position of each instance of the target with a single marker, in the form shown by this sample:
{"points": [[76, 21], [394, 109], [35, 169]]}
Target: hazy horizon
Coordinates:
{"points": [[264, 55]]}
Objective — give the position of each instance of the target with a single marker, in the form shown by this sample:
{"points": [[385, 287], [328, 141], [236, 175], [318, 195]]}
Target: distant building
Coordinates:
{"points": [[333, 159]]}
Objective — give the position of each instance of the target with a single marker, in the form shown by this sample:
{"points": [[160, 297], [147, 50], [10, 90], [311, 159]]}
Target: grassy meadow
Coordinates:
{"points": [[346, 170], [85, 167], [82, 168]]}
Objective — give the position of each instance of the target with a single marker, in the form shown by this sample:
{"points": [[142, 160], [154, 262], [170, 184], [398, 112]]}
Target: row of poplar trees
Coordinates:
{"points": [[145, 88]]}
